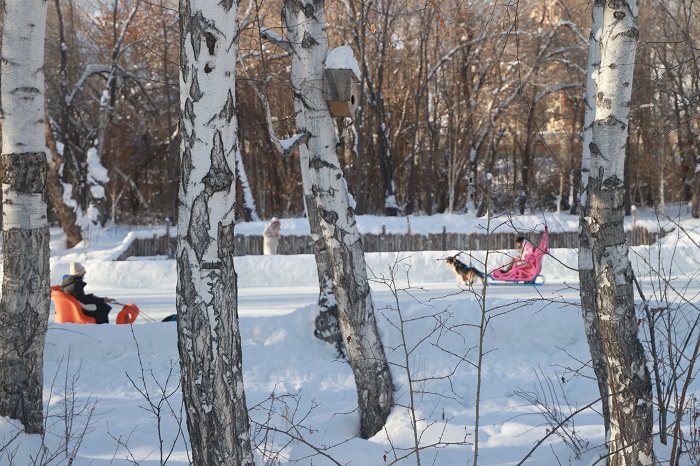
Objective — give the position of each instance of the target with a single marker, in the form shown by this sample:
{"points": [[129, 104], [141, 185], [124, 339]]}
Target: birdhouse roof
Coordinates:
{"points": [[342, 58]]}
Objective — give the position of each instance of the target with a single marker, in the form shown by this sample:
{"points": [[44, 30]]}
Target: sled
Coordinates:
{"points": [[538, 280], [69, 311], [526, 271]]}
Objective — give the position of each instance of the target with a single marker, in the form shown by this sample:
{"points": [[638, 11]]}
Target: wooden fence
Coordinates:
{"points": [[385, 242]]}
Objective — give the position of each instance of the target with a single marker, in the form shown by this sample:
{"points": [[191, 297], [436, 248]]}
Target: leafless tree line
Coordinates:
{"points": [[452, 99]]}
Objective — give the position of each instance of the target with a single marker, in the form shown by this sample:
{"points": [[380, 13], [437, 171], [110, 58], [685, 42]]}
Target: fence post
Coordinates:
{"points": [[382, 246]]}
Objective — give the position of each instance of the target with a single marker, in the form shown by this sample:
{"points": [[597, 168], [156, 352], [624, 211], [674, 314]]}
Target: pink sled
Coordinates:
{"points": [[528, 268]]}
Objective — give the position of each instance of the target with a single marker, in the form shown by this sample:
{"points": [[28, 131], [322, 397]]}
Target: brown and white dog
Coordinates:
{"points": [[466, 274]]}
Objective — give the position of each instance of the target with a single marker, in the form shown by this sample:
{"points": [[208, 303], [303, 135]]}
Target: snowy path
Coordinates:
{"points": [[157, 303]]}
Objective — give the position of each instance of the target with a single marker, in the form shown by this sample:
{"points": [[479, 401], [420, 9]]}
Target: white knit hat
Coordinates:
{"points": [[76, 268], [274, 219]]}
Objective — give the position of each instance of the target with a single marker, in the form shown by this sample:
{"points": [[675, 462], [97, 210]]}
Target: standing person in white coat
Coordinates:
{"points": [[271, 237]]}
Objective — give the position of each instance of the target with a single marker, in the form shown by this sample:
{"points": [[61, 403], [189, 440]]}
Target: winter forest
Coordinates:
{"points": [[456, 101], [206, 114]]}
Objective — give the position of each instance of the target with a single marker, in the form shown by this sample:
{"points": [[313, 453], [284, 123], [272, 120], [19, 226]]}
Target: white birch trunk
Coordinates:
{"points": [[589, 309], [305, 23], [97, 196], [631, 403], [248, 199], [470, 202], [326, 325], [209, 339], [24, 308], [66, 210]]}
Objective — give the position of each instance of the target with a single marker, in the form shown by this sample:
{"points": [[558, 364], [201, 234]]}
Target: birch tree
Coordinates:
{"points": [[63, 126], [209, 340], [629, 382], [589, 309], [24, 307], [326, 323], [95, 87], [375, 84], [305, 25], [170, 112]]}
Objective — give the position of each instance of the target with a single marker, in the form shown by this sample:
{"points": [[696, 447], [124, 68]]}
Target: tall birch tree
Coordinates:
{"points": [[24, 307], [591, 320], [62, 124], [326, 323], [629, 382], [304, 22], [375, 92], [209, 340]]}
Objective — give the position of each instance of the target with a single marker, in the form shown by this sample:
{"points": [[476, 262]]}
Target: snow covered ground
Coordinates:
{"points": [[121, 382]]}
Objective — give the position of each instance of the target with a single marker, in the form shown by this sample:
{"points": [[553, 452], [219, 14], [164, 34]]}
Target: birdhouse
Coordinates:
{"points": [[342, 92]]}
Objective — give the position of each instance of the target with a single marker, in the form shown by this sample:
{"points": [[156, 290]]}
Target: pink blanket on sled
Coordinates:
{"points": [[529, 265]]}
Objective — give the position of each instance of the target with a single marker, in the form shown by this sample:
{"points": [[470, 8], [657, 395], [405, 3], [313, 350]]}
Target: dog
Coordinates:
{"points": [[466, 274]]}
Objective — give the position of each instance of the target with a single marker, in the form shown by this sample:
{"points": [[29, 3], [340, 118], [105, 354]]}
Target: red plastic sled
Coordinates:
{"points": [[528, 268], [69, 311]]}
